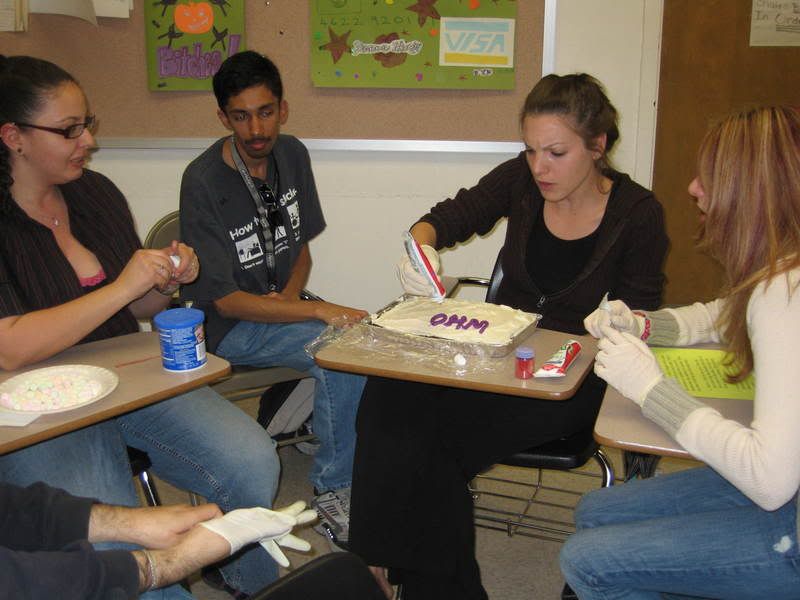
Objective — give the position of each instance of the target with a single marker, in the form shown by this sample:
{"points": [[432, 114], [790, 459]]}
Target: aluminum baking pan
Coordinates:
{"points": [[440, 344]]}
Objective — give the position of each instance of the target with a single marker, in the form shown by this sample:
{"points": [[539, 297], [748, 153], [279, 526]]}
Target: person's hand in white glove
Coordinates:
{"points": [[301, 515], [270, 528], [626, 363], [614, 313], [413, 282]]}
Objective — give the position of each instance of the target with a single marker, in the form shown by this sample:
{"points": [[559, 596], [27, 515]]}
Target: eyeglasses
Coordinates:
{"points": [[71, 132], [274, 215]]}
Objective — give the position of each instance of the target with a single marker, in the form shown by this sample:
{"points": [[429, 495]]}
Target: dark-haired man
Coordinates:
{"points": [[47, 535], [249, 207]]}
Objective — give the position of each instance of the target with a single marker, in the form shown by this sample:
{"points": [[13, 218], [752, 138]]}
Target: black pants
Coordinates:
{"points": [[418, 447]]}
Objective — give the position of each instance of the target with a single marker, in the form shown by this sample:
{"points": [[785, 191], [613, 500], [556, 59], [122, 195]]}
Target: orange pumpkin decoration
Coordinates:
{"points": [[194, 18]]}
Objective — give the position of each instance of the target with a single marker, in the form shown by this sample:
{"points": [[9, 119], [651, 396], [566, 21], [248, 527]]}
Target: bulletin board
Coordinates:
{"points": [[109, 62], [446, 44]]}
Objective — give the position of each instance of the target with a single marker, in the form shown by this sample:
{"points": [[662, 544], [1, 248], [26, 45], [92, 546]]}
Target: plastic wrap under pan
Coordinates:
{"points": [[441, 354]]}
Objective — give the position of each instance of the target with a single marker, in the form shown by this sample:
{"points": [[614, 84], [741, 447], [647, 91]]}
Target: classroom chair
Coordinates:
{"points": [[140, 467], [335, 576], [245, 381], [565, 454]]}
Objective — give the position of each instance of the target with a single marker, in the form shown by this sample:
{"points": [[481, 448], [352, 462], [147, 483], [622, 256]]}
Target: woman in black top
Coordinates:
{"points": [[576, 230], [72, 270]]}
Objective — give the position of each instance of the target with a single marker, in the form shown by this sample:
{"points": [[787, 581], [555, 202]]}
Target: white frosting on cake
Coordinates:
{"points": [[457, 320]]}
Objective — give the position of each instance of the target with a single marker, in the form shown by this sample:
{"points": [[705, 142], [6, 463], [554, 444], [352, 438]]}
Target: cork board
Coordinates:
{"points": [[109, 61]]}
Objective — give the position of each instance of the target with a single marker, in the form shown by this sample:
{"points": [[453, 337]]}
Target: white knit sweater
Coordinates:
{"points": [[762, 460]]}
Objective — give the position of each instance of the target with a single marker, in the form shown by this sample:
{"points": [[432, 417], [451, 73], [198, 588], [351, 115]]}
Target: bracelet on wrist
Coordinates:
{"points": [[152, 575], [646, 325]]}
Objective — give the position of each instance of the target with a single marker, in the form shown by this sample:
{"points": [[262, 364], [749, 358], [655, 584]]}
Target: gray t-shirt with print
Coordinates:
{"points": [[219, 220]]}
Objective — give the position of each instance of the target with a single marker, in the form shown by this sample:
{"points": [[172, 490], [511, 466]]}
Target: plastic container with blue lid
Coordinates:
{"points": [[183, 342], [523, 367]]}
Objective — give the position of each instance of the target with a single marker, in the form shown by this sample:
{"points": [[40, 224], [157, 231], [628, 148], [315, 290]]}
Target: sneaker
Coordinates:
{"points": [[333, 509], [309, 447]]}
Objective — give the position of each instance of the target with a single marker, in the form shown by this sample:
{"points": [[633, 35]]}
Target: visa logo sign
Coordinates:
{"points": [[476, 42]]}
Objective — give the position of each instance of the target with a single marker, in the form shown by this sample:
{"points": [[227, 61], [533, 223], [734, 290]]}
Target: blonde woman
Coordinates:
{"points": [[728, 530]]}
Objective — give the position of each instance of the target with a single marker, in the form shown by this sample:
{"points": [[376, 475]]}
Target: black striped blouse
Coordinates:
{"points": [[34, 274]]}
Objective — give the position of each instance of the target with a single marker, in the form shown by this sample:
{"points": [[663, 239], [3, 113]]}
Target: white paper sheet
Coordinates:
{"points": [[82, 9], [120, 9], [9, 418], [775, 23], [13, 15]]}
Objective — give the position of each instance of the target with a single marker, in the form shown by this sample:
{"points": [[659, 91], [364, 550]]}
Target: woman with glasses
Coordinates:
{"points": [[72, 270]]}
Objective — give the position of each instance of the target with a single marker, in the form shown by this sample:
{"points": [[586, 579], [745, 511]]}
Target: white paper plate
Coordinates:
{"points": [[102, 380]]}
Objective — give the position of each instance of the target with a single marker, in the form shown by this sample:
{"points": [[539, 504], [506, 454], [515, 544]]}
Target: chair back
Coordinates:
{"points": [[244, 381], [494, 282], [166, 229], [336, 576]]}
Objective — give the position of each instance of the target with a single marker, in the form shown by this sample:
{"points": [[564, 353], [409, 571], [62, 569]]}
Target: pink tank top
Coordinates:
{"points": [[93, 280]]}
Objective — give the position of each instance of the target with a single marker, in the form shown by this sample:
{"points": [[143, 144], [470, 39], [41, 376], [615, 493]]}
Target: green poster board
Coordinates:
{"points": [[457, 44], [186, 42]]}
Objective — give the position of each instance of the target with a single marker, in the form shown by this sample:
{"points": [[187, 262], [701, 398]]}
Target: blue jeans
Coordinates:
{"points": [[689, 534], [197, 441], [336, 395]]}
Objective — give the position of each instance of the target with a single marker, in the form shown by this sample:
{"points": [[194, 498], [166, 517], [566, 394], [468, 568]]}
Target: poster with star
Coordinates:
{"points": [[186, 42], [445, 44]]}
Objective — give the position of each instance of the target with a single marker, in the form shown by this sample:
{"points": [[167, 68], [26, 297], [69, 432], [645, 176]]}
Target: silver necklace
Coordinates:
{"points": [[53, 221]]}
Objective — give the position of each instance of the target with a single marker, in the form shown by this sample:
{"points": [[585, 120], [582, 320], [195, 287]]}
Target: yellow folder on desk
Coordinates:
{"points": [[702, 373]]}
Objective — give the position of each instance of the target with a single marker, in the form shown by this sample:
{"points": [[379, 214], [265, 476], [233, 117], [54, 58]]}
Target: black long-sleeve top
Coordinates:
{"points": [[626, 261], [44, 553]]}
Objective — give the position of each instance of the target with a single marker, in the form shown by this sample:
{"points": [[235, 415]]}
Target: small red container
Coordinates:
{"points": [[524, 365]]}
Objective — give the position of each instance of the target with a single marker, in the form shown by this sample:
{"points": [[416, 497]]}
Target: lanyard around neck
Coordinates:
{"points": [[261, 209]]}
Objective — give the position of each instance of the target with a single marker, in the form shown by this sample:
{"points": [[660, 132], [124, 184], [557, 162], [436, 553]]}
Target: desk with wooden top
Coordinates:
{"points": [[621, 424], [136, 359], [497, 376]]}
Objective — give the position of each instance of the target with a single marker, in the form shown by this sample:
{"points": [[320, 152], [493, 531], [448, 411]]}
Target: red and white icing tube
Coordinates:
{"points": [[421, 265], [557, 365]]}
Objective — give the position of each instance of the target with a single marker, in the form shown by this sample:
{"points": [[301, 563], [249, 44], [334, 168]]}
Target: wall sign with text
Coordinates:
{"points": [[186, 42], [775, 23], [460, 44]]}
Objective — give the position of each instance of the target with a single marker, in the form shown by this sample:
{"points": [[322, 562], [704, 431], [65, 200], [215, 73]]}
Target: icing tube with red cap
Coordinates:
{"points": [[421, 265], [557, 365]]}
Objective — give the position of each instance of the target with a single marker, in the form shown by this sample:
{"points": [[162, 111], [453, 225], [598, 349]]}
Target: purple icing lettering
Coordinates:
{"points": [[479, 325], [456, 320], [438, 319], [460, 321]]}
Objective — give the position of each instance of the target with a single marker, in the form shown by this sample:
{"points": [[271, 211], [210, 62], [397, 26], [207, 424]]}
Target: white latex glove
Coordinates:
{"points": [[626, 363], [614, 313], [301, 515], [415, 283], [248, 525]]}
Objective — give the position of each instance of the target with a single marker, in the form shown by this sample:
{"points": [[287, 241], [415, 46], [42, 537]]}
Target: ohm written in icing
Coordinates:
{"points": [[395, 46], [460, 322]]}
